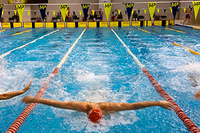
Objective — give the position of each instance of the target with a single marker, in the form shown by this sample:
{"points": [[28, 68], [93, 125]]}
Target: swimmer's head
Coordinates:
{"points": [[95, 115]]}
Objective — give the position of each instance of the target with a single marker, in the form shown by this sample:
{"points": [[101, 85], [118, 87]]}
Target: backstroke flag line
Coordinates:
{"points": [[20, 9], [152, 7], [107, 7], [63, 9], [196, 6], [129, 8]]}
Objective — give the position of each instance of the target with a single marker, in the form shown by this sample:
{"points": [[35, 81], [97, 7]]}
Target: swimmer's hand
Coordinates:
{"points": [[197, 95], [27, 99], [27, 87], [165, 105]]}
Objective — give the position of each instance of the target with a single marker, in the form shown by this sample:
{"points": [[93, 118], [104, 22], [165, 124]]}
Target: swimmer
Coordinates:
{"points": [[14, 93], [188, 12], [96, 111]]}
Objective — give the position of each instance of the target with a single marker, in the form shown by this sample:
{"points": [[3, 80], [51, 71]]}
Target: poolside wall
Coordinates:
{"points": [[76, 8]]}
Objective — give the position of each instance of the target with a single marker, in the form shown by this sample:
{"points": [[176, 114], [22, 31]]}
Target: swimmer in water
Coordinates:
{"points": [[188, 12], [96, 111], [9, 95], [194, 83]]}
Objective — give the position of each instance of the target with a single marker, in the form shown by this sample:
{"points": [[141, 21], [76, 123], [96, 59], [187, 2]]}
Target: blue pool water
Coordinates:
{"points": [[99, 69]]}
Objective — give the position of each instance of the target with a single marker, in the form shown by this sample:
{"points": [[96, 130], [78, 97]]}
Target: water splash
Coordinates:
{"points": [[94, 90]]}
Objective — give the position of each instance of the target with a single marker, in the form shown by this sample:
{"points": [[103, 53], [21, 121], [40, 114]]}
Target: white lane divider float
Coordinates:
{"points": [[7, 53], [20, 119]]}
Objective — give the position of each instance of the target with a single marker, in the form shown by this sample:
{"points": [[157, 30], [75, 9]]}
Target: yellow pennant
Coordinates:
{"points": [[184, 9], [196, 5], [119, 11], [145, 11], [171, 9], [29, 13], [158, 10], [107, 7], [15, 12], [20, 9], [93, 12], [132, 12], [152, 7], [2, 12], [63, 9], [80, 12], [54, 13]]}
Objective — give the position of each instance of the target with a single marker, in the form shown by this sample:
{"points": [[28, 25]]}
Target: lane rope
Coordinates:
{"points": [[18, 33], [184, 118], [176, 44], [179, 31], [7, 53], [18, 122]]}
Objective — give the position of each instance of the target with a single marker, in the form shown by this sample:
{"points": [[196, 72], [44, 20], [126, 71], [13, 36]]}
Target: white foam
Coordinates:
{"points": [[93, 91]]}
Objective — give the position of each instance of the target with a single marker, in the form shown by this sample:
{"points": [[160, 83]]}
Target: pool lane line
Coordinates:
{"points": [[194, 27], [176, 44], [2, 30], [7, 53], [19, 121], [184, 118], [17, 33], [179, 31]]}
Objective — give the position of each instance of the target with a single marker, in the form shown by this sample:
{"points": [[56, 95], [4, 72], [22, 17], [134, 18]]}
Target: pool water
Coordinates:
{"points": [[99, 69]]}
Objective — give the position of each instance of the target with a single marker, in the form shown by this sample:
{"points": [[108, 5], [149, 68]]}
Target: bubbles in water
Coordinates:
{"points": [[12, 79], [94, 89]]}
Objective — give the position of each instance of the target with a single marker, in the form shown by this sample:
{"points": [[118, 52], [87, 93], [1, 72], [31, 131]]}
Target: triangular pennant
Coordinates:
{"points": [[1, 10], [8, 12], [129, 8], [29, 13], [15, 12], [119, 11], [145, 11], [54, 13], [63, 9], [196, 5], [184, 9], [171, 9], [138, 11], [175, 6], [158, 10], [107, 7], [20, 9], [152, 7], [80, 12], [113, 11], [47, 12], [43, 11], [132, 12], [34, 12], [93, 12], [164, 10], [85, 8]]}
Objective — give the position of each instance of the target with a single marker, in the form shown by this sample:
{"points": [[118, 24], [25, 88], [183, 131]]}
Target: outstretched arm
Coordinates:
{"points": [[197, 95], [72, 105], [135, 106], [14, 93]]}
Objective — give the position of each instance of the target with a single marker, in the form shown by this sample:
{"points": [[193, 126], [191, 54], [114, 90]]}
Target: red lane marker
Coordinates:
{"points": [[20, 119], [109, 27], [185, 119]]}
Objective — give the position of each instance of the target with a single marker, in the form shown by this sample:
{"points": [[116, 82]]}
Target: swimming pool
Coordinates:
{"points": [[99, 69]]}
